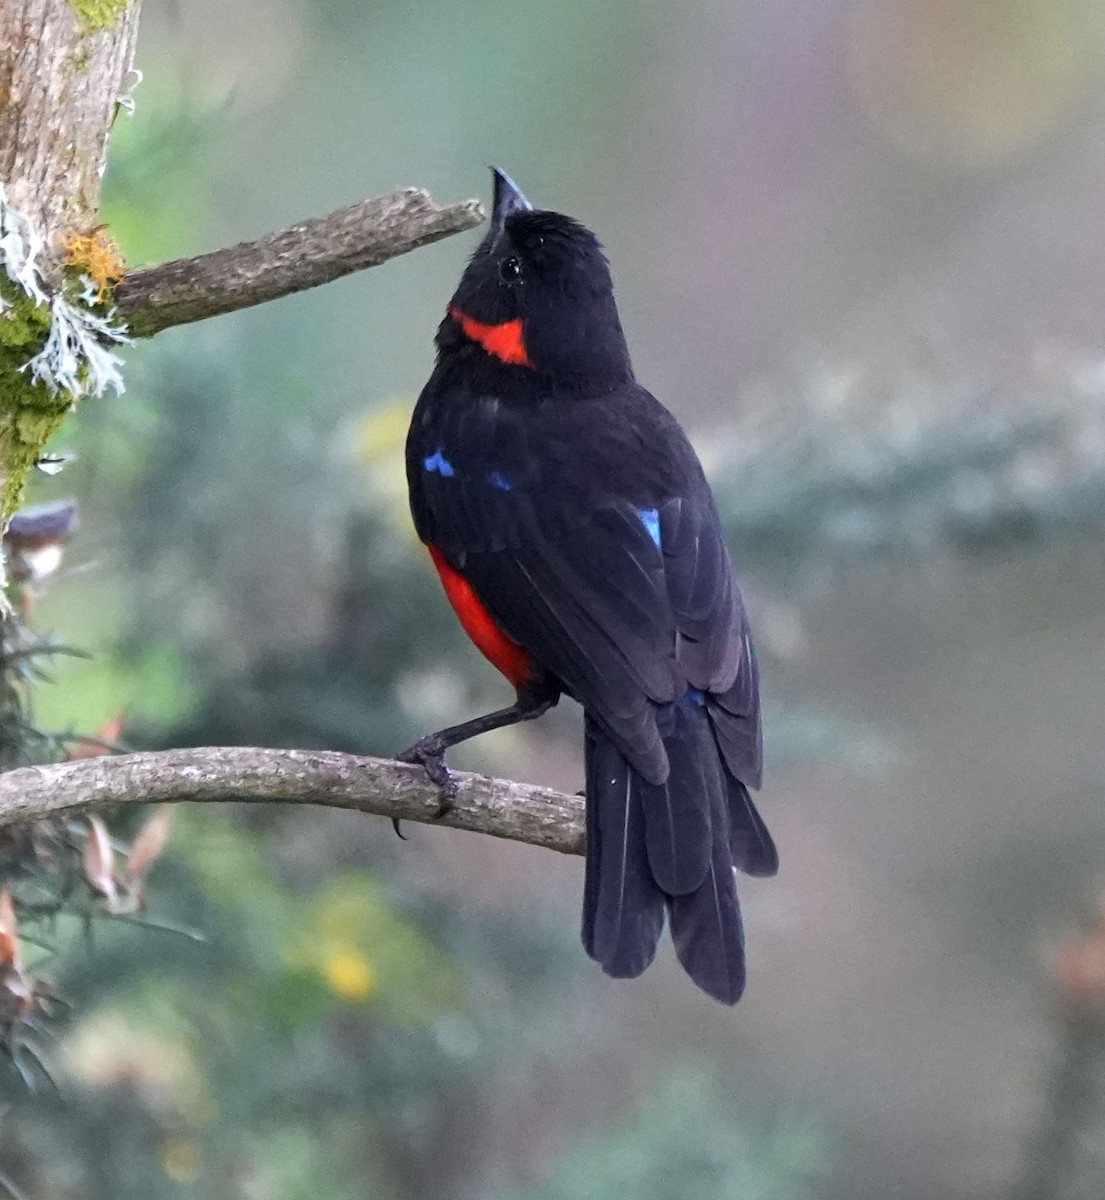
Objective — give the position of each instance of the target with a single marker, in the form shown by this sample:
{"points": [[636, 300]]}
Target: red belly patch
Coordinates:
{"points": [[505, 655]]}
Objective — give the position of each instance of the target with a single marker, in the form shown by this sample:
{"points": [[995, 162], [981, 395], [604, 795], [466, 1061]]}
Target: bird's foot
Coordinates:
{"points": [[429, 751]]}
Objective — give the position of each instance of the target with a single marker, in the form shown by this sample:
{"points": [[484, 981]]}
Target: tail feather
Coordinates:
{"points": [[751, 845], [707, 933], [673, 846], [623, 909], [677, 812], [705, 924]]}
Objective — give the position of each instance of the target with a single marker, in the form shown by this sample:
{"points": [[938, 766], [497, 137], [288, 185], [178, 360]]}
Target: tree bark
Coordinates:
{"points": [[518, 811], [295, 259], [63, 67]]}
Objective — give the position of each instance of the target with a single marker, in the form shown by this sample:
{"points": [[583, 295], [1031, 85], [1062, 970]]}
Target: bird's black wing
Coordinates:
{"points": [[589, 533]]}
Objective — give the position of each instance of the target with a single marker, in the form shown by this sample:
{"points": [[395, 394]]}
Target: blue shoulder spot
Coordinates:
{"points": [[694, 695], [438, 462], [498, 480], [650, 519]]}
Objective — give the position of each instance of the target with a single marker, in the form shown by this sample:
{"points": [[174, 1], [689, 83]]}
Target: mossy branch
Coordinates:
{"points": [[64, 68], [517, 811], [303, 256]]}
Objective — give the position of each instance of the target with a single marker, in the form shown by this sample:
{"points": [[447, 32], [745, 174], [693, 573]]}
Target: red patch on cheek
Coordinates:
{"points": [[506, 341]]}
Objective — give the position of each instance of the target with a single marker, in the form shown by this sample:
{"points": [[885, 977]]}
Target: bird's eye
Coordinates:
{"points": [[510, 270]]}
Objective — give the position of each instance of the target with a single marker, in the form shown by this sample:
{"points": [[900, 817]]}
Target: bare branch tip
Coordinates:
{"points": [[296, 258]]}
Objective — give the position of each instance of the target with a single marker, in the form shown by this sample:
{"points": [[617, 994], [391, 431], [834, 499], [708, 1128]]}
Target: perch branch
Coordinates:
{"points": [[499, 807], [303, 256]]}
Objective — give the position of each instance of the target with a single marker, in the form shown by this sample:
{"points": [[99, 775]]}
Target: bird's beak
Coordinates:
{"points": [[508, 199]]}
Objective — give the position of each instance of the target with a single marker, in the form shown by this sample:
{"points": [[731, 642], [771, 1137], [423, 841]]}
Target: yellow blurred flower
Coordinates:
{"points": [[381, 433], [350, 974], [365, 951], [377, 440]]}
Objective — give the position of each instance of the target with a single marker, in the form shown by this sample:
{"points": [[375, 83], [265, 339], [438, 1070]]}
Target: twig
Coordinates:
{"points": [[303, 256], [499, 807]]}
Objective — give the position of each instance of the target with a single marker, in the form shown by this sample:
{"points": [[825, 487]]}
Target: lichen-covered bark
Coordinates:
{"points": [[63, 67], [30, 413]]}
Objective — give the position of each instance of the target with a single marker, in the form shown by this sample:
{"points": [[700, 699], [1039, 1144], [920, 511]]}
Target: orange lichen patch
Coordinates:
{"points": [[97, 255]]}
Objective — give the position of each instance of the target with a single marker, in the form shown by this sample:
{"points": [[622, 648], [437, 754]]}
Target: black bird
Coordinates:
{"points": [[578, 542]]}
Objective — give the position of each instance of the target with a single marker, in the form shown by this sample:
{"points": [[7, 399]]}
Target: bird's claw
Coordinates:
{"points": [[429, 751]]}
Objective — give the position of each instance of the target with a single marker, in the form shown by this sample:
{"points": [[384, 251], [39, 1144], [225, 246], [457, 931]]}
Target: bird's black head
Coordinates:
{"points": [[537, 296]]}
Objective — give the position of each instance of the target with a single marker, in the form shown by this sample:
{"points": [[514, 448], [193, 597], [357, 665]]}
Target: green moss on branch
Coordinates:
{"points": [[29, 412], [100, 15]]}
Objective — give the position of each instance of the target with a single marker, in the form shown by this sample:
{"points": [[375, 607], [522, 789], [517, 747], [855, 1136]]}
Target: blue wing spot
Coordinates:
{"points": [[498, 480], [650, 519], [694, 696], [438, 462]]}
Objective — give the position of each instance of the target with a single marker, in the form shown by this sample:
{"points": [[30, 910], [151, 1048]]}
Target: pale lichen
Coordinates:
{"points": [[75, 358], [125, 103], [54, 350]]}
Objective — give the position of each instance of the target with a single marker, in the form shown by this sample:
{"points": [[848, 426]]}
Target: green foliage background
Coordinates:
{"points": [[916, 522]]}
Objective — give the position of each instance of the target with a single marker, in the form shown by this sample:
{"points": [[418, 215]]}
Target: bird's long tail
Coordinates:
{"points": [[670, 846]]}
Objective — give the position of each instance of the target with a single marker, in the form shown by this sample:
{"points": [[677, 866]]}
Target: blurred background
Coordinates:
{"points": [[859, 252]]}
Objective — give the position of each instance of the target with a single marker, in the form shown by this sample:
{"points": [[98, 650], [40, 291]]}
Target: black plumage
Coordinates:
{"points": [[572, 505]]}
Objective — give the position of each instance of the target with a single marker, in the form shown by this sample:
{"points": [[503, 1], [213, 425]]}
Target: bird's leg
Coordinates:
{"points": [[532, 702]]}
